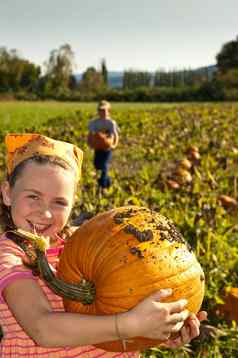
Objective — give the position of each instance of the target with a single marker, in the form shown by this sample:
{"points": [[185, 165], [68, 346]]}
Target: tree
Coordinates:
{"points": [[92, 81], [180, 78], [227, 58], [227, 65], [30, 76], [229, 79], [161, 78], [17, 73], [59, 68], [104, 71], [136, 79]]}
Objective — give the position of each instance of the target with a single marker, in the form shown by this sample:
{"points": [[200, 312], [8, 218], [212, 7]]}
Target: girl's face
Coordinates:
{"points": [[104, 113], [41, 199]]}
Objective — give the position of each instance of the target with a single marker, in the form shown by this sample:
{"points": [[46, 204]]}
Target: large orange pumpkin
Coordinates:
{"points": [[128, 253], [100, 140]]}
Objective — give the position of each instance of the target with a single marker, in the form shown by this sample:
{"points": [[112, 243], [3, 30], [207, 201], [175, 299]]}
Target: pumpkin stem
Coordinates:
{"points": [[84, 291]]}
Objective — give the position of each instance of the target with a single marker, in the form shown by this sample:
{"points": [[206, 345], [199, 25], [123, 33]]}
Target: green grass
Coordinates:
{"points": [[23, 115]]}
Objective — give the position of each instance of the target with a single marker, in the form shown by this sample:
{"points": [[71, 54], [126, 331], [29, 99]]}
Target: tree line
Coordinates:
{"points": [[23, 79]]}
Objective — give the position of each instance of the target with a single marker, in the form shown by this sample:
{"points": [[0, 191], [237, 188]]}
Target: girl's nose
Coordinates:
{"points": [[47, 213]]}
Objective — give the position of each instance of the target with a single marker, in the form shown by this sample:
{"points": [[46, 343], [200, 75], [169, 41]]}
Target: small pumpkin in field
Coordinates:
{"points": [[193, 148], [193, 153], [230, 307], [100, 140], [172, 184], [128, 253], [228, 202], [185, 164], [183, 176]]}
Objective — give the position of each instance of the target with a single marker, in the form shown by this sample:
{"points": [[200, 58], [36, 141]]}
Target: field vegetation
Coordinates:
{"points": [[155, 140]]}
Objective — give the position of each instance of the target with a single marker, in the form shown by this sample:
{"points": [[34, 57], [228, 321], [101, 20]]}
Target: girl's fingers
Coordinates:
{"points": [[193, 319], [193, 327], [185, 335], [177, 327], [189, 331], [163, 293], [202, 316], [179, 317], [177, 306]]}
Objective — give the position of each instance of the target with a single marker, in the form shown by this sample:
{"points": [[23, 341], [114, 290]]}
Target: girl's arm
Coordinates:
{"points": [[115, 140], [150, 318], [49, 328]]}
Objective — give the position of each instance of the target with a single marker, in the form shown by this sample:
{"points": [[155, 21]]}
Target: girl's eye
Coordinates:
{"points": [[61, 203], [33, 197]]}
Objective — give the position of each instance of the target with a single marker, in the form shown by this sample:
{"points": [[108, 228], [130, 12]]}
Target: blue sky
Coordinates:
{"points": [[129, 34]]}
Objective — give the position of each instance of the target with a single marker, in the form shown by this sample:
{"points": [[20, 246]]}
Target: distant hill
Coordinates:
{"points": [[115, 78], [210, 70]]}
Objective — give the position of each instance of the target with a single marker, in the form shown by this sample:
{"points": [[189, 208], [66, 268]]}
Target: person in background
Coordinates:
{"points": [[103, 138], [37, 196]]}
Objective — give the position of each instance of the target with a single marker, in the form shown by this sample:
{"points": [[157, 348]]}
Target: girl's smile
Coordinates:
{"points": [[38, 228]]}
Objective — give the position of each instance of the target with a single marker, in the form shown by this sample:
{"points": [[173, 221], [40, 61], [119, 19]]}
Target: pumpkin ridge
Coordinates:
{"points": [[130, 241], [120, 268], [152, 282]]}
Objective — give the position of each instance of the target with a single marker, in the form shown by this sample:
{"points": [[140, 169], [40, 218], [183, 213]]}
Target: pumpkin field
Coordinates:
{"points": [[178, 159]]}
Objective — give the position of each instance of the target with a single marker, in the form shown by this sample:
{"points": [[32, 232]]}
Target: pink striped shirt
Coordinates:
{"points": [[15, 342]]}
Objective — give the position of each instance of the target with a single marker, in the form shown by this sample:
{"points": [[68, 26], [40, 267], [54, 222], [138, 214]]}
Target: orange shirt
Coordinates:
{"points": [[16, 343]]}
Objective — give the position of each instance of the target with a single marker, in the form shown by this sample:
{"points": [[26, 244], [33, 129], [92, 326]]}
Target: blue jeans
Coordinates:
{"points": [[101, 162]]}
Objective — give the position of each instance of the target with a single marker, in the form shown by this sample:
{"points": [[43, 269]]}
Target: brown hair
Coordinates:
{"points": [[6, 222]]}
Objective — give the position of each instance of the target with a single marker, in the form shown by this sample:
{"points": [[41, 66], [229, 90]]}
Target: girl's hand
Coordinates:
{"points": [[189, 331], [154, 319]]}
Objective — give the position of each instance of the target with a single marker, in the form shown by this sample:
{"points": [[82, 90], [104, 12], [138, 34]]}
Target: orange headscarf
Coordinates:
{"points": [[24, 146]]}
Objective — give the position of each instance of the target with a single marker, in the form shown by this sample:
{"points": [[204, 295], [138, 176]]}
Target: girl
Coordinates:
{"points": [[38, 196], [102, 157]]}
